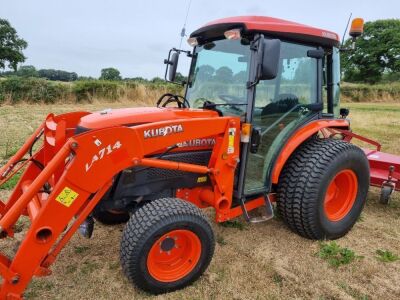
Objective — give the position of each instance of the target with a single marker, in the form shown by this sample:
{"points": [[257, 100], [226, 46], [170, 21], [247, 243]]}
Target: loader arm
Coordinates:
{"points": [[78, 170]]}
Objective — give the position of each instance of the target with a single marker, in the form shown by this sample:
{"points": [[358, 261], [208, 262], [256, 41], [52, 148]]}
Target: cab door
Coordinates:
{"points": [[280, 107]]}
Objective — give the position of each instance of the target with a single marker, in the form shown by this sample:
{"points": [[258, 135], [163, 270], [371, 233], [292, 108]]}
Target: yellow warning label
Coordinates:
{"points": [[231, 140], [202, 179], [67, 196]]}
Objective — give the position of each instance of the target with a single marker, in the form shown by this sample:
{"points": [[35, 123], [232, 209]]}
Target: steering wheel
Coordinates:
{"points": [[180, 100], [232, 101], [199, 102]]}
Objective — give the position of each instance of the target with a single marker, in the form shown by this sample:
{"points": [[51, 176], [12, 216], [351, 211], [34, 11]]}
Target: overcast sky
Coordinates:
{"points": [[135, 35]]}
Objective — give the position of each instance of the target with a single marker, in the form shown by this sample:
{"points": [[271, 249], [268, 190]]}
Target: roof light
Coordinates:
{"points": [[357, 27], [233, 34], [192, 41]]}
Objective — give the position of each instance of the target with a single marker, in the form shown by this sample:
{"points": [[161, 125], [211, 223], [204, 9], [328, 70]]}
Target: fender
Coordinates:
{"points": [[298, 138]]}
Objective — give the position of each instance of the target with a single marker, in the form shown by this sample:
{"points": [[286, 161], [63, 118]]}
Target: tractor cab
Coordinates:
{"points": [[276, 75]]}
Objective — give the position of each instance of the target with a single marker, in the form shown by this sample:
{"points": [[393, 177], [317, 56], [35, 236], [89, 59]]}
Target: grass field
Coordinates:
{"points": [[264, 261]]}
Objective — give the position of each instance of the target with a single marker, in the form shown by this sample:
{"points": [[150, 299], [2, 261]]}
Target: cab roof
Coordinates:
{"points": [[270, 26]]}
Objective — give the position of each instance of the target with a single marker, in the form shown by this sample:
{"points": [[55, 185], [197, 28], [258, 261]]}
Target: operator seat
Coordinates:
{"points": [[283, 103]]}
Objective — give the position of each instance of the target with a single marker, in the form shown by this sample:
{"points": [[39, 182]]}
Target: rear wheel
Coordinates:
{"points": [[323, 188], [166, 245]]}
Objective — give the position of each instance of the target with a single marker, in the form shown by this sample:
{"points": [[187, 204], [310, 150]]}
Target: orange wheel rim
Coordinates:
{"points": [[174, 255], [340, 195]]}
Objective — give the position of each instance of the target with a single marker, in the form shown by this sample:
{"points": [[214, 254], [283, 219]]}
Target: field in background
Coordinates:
{"points": [[14, 90], [264, 261], [361, 92]]}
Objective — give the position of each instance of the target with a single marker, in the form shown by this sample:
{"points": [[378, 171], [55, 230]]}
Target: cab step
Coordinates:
{"points": [[267, 214]]}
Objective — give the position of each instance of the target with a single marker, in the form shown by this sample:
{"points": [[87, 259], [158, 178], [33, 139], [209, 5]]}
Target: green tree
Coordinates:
{"points": [[110, 74], [377, 52], [205, 73], [27, 71], [180, 77], [11, 46], [58, 75], [158, 80], [240, 77], [137, 79], [224, 74]]}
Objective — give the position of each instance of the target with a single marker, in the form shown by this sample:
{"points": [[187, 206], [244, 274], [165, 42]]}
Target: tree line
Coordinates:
{"points": [[111, 74]]}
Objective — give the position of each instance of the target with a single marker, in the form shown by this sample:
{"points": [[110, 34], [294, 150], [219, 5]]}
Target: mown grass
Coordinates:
{"points": [[336, 255], [386, 256], [237, 224], [10, 183], [377, 121], [264, 261]]}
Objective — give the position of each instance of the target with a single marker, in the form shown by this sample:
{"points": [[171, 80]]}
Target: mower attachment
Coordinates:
{"points": [[64, 179], [384, 167]]}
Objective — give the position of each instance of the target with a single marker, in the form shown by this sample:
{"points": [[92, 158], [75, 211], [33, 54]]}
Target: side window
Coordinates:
{"points": [[296, 80], [280, 106], [325, 70], [336, 80]]}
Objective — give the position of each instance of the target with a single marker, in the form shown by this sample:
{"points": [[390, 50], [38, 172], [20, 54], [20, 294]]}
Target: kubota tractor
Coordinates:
{"points": [[259, 123]]}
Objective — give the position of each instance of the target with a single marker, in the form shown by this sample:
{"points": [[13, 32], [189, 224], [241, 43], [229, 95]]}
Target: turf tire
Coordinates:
{"points": [[151, 222], [304, 181]]}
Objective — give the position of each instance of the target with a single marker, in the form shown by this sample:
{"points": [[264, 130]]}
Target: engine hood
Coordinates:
{"points": [[140, 115]]}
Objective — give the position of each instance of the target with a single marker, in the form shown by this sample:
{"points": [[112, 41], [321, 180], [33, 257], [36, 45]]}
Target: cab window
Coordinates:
{"points": [[280, 106]]}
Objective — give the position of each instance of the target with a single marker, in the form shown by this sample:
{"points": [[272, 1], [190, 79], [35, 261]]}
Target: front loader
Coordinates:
{"points": [[259, 123]]}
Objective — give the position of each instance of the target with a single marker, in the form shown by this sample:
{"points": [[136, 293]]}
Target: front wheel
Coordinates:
{"points": [[166, 245], [323, 188]]}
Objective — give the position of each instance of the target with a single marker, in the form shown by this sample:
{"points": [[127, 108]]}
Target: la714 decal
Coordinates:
{"points": [[103, 152]]}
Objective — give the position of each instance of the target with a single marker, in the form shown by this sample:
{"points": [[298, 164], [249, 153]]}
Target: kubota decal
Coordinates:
{"points": [[197, 143], [67, 196], [163, 131], [102, 153], [329, 35]]}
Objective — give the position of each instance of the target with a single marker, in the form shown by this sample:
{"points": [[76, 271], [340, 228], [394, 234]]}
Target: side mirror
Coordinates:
{"points": [[172, 65], [316, 53], [270, 59]]}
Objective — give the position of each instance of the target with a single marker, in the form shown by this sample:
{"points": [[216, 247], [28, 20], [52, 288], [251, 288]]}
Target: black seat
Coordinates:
{"points": [[283, 103]]}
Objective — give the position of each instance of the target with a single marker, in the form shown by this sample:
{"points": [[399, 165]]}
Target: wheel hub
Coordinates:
{"points": [[167, 244], [340, 195], [174, 255]]}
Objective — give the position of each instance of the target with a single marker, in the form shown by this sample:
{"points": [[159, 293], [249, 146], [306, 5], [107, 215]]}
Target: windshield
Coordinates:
{"points": [[219, 74]]}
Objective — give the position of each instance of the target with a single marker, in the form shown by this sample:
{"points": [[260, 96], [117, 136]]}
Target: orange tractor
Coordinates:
{"points": [[259, 123]]}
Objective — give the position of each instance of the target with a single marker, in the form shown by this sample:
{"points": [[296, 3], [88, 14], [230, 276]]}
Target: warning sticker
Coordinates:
{"points": [[231, 142], [202, 179], [67, 196]]}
